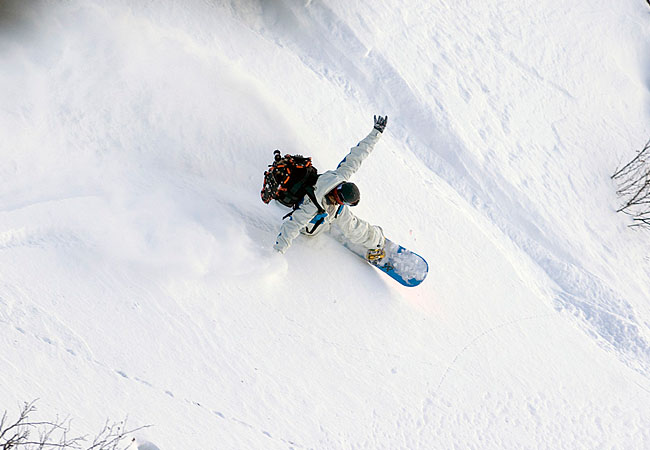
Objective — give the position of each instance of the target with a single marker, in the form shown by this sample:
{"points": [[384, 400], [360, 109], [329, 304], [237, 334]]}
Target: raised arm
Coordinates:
{"points": [[353, 160]]}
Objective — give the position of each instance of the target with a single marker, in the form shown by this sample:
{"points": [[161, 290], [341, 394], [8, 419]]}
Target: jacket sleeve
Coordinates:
{"points": [[291, 227], [353, 160]]}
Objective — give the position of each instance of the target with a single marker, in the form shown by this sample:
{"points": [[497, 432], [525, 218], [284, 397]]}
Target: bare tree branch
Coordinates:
{"points": [[634, 187], [54, 434], [640, 158]]}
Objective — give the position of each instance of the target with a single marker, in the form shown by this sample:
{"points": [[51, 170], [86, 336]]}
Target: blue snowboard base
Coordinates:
{"points": [[402, 265]]}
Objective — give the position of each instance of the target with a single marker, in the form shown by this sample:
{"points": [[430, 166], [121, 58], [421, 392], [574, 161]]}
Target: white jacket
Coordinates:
{"points": [[306, 219]]}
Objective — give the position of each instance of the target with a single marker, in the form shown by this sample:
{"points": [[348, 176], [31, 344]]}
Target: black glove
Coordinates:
{"points": [[380, 123]]}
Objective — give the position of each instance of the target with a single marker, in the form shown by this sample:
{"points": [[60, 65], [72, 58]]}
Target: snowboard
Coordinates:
{"points": [[402, 265]]}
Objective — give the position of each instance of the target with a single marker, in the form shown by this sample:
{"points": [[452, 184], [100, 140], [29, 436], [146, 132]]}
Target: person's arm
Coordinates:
{"points": [[291, 227], [353, 160]]}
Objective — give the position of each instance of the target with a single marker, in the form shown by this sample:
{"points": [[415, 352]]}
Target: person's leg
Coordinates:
{"points": [[358, 231]]}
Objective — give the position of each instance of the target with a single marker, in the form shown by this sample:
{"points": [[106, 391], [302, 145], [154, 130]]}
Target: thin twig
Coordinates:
{"points": [[634, 187], [54, 435]]}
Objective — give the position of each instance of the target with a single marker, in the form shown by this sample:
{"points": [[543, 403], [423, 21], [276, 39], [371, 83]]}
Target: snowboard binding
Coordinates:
{"points": [[375, 255]]}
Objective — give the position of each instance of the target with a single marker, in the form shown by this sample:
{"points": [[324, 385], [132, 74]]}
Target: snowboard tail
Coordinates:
{"points": [[402, 265]]}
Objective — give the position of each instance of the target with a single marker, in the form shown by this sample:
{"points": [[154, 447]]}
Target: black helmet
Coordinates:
{"points": [[347, 194]]}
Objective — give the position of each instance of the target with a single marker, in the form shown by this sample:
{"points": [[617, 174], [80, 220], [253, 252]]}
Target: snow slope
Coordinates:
{"points": [[136, 271]]}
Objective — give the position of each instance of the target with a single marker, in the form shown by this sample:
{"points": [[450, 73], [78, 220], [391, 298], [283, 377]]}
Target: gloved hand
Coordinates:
{"points": [[380, 123]]}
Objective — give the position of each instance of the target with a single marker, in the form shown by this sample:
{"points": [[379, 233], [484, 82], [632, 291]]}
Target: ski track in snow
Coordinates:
{"points": [[161, 391], [477, 339]]}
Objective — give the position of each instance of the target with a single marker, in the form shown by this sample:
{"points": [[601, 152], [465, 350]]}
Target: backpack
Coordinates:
{"points": [[289, 179]]}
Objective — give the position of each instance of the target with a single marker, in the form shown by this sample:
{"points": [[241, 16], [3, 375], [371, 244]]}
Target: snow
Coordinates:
{"points": [[136, 270]]}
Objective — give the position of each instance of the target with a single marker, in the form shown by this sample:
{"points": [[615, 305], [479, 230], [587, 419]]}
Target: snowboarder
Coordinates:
{"points": [[335, 195]]}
